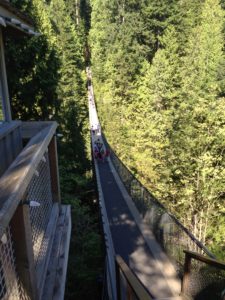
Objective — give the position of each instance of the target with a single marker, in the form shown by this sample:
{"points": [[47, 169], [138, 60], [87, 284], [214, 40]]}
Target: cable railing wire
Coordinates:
{"points": [[172, 236], [153, 212]]}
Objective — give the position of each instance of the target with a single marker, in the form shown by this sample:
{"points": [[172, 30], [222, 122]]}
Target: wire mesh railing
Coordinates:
{"points": [[39, 195], [206, 282], [204, 278], [9, 284], [110, 275], [26, 209], [172, 236]]}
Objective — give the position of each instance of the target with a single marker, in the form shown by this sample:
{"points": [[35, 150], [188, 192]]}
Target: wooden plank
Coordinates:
{"points": [[8, 149], [49, 237], [8, 10], [56, 274], [10, 144], [60, 282], [17, 144], [22, 239], [118, 281], [133, 281], [210, 261], [54, 170], [2, 154], [15, 180]]}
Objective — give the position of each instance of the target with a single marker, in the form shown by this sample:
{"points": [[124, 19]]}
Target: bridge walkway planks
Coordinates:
{"points": [[128, 240]]}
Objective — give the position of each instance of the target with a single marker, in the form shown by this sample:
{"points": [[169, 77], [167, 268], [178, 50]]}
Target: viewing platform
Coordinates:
{"points": [[35, 226]]}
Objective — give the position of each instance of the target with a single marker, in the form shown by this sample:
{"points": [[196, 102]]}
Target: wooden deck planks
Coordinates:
{"points": [[56, 272]]}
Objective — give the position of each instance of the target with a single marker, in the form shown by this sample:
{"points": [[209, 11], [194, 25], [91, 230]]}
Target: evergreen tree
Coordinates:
{"points": [[200, 124], [71, 87], [159, 81], [32, 65]]}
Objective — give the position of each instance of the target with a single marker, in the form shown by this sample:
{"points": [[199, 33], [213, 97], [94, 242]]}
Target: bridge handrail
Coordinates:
{"points": [[29, 208], [134, 286], [153, 199], [15, 180], [110, 252], [202, 262], [210, 261]]}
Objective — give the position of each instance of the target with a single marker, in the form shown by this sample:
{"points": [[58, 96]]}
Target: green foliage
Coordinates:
{"points": [[47, 82], [46, 77], [85, 264], [158, 70]]}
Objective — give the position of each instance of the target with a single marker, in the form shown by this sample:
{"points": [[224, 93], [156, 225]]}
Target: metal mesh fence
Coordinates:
{"points": [[171, 234], [205, 282], [9, 287], [39, 195]]}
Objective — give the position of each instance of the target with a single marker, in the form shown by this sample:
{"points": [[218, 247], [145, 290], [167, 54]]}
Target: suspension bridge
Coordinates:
{"points": [[149, 253]]}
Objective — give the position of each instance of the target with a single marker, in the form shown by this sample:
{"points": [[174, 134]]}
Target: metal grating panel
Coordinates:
{"points": [[40, 198], [9, 287]]}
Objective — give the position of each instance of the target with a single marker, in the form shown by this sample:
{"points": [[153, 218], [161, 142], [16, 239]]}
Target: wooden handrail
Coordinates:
{"points": [[133, 282], [30, 128], [210, 261], [15, 180], [189, 255], [7, 127]]}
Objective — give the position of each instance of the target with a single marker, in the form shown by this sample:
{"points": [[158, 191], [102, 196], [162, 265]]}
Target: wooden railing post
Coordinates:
{"points": [[134, 289], [22, 240], [4, 93], [187, 270], [118, 283], [129, 292], [54, 170]]}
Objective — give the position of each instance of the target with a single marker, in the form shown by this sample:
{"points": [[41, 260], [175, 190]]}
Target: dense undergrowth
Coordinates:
{"points": [[86, 259]]}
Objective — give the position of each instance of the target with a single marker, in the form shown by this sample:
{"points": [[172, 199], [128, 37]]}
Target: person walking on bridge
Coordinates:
{"points": [[99, 146]]}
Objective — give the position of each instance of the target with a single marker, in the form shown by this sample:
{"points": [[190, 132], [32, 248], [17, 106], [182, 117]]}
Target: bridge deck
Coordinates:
{"points": [[140, 251], [129, 241]]}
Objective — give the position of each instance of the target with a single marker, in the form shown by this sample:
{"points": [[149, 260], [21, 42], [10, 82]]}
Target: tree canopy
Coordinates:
{"points": [[158, 69]]}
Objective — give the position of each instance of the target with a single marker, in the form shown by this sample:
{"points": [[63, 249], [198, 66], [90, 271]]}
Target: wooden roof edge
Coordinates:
{"points": [[7, 5]]}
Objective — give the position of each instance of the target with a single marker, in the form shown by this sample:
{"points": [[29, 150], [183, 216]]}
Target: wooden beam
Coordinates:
{"points": [[48, 237], [210, 261], [57, 268], [132, 281], [189, 255], [22, 239], [10, 144], [118, 279], [7, 128], [54, 170], [8, 10], [15, 180], [4, 93], [186, 277], [63, 255]]}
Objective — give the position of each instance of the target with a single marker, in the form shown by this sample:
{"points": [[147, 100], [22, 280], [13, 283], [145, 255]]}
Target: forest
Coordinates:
{"points": [[158, 72], [47, 81]]}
